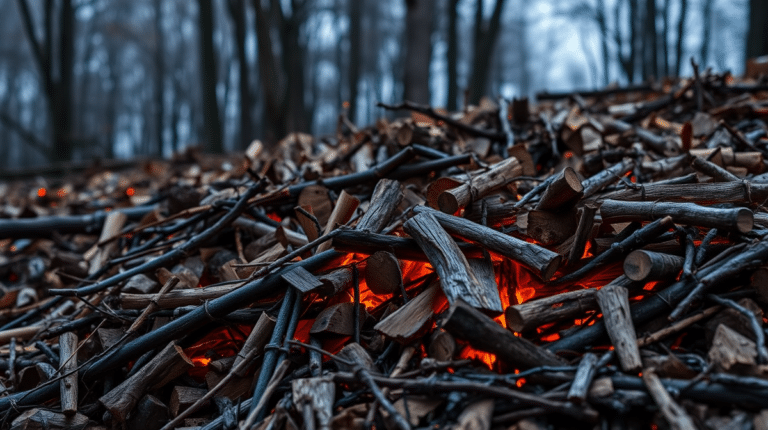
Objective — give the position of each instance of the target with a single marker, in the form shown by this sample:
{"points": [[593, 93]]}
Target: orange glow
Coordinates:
{"points": [[274, 217], [201, 361], [219, 343], [130, 191], [469, 353], [551, 337], [568, 154], [520, 382], [587, 250], [61, 193], [41, 192], [345, 104]]}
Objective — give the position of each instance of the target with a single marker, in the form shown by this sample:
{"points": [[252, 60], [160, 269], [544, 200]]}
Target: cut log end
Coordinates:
{"points": [[448, 203], [551, 267], [744, 220]]}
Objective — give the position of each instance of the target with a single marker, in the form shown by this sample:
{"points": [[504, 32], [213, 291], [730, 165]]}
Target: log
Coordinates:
{"points": [[255, 342], [467, 323], [564, 191], [583, 378], [409, 322], [337, 319], [360, 242], [711, 169], [345, 207], [645, 266], [736, 219], [543, 261], [718, 192], [315, 395], [614, 302], [43, 419], [606, 177], [68, 368], [457, 278], [479, 185], [675, 415], [382, 273], [586, 221], [535, 313], [549, 228], [442, 346], [731, 351], [183, 397], [384, 201]]}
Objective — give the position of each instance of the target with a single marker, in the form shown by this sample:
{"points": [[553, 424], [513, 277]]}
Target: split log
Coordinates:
{"points": [[408, 322], [382, 273], [548, 228], [586, 215], [479, 185], [183, 397], [645, 266], [614, 302], [255, 342], [543, 261], [562, 192], [314, 397], [456, 276], [467, 323], [384, 201], [68, 366], [442, 346], [736, 219], [337, 319], [345, 207], [675, 415], [168, 364], [535, 313], [731, 351]]}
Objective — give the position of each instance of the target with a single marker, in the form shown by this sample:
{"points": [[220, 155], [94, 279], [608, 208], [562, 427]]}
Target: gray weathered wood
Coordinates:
{"points": [[614, 302], [644, 266], [563, 191], [68, 366], [736, 219], [583, 378], [497, 176], [535, 313], [384, 201]]}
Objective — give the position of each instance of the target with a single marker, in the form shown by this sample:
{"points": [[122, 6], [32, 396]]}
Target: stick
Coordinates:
{"points": [[426, 110], [68, 369], [564, 190], [736, 219], [614, 302], [645, 266], [583, 378], [479, 185], [676, 416]]}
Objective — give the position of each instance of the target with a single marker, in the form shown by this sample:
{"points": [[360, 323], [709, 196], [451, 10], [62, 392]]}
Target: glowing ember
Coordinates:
{"points": [[41, 192], [130, 191]]}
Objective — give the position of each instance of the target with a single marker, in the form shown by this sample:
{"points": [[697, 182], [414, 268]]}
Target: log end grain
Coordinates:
{"points": [[448, 202], [744, 220]]}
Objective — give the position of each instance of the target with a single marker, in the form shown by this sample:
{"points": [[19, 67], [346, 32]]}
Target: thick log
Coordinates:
{"points": [[675, 415], [337, 319], [718, 192], [315, 395], [361, 242], [467, 323], [535, 313], [543, 261], [255, 342], [614, 302], [345, 207], [382, 273], [384, 201], [562, 192], [168, 364], [495, 212], [606, 177], [736, 219], [586, 215], [183, 397], [583, 378], [68, 365], [645, 266], [457, 278], [479, 185], [43, 419], [549, 228]]}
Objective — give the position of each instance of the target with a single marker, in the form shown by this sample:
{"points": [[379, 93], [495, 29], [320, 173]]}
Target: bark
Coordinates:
{"points": [[485, 41], [418, 50], [238, 13], [355, 46], [159, 55], [452, 55], [212, 121], [680, 34], [757, 35]]}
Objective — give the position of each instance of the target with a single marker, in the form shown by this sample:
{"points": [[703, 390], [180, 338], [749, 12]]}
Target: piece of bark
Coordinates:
{"points": [[456, 276], [302, 280], [345, 207], [535, 313], [337, 319], [548, 228], [543, 261], [182, 397], [614, 302], [255, 342], [168, 364], [382, 273], [583, 378], [44, 419], [479, 185], [68, 366], [113, 224], [645, 266], [408, 322], [564, 191], [317, 395], [675, 415], [467, 323], [736, 219], [476, 416], [731, 351], [336, 280], [141, 284], [384, 201]]}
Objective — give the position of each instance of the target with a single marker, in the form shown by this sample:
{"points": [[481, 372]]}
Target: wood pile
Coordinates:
{"points": [[592, 260]]}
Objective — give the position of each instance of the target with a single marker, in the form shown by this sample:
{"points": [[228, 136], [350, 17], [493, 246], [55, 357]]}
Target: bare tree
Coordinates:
{"points": [[680, 36], [757, 35], [237, 12], [212, 128], [418, 50], [486, 34]]}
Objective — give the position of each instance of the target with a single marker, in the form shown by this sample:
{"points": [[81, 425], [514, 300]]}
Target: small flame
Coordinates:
{"points": [[41, 192], [274, 217], [587, 250], [130, 191]]}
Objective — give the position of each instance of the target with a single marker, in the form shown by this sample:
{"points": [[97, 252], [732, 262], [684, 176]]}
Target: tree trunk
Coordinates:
{"points": [[483, 52], [237, 12], [757, 35], [651, 58], [664, 37], [680, 34], [355, 18], [293, 67], [212, 133], [418, 50], [603, 26], [452, 56], [159, 77], [274, 123], [706, 29]]}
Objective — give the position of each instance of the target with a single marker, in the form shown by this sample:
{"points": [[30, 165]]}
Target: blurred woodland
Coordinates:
{"points": [[107, 79]]}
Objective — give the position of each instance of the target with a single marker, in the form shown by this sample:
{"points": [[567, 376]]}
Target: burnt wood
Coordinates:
{"points": [[735, 219]]}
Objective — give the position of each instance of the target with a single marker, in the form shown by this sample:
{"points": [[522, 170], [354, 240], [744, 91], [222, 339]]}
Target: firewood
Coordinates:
{"points": [[586, 215], [182, 397], [342, 212], [719, 192], [606, 177], [478, 185], [337, 319], [476, 416], [68, 367], [713, 170], [403, 248], [737, 219], [151, 413], [467, 323], [386, 196], [548, 228], [583, 378], [408, 322], [442, 346], [645, 266], [42, 419], [456, 276], [614, 302], [675, 415], [535, 313], [732, 351], [564, 190], [255, 342], [316, 197], [382, 273], [543, 261], [315, 397]]}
